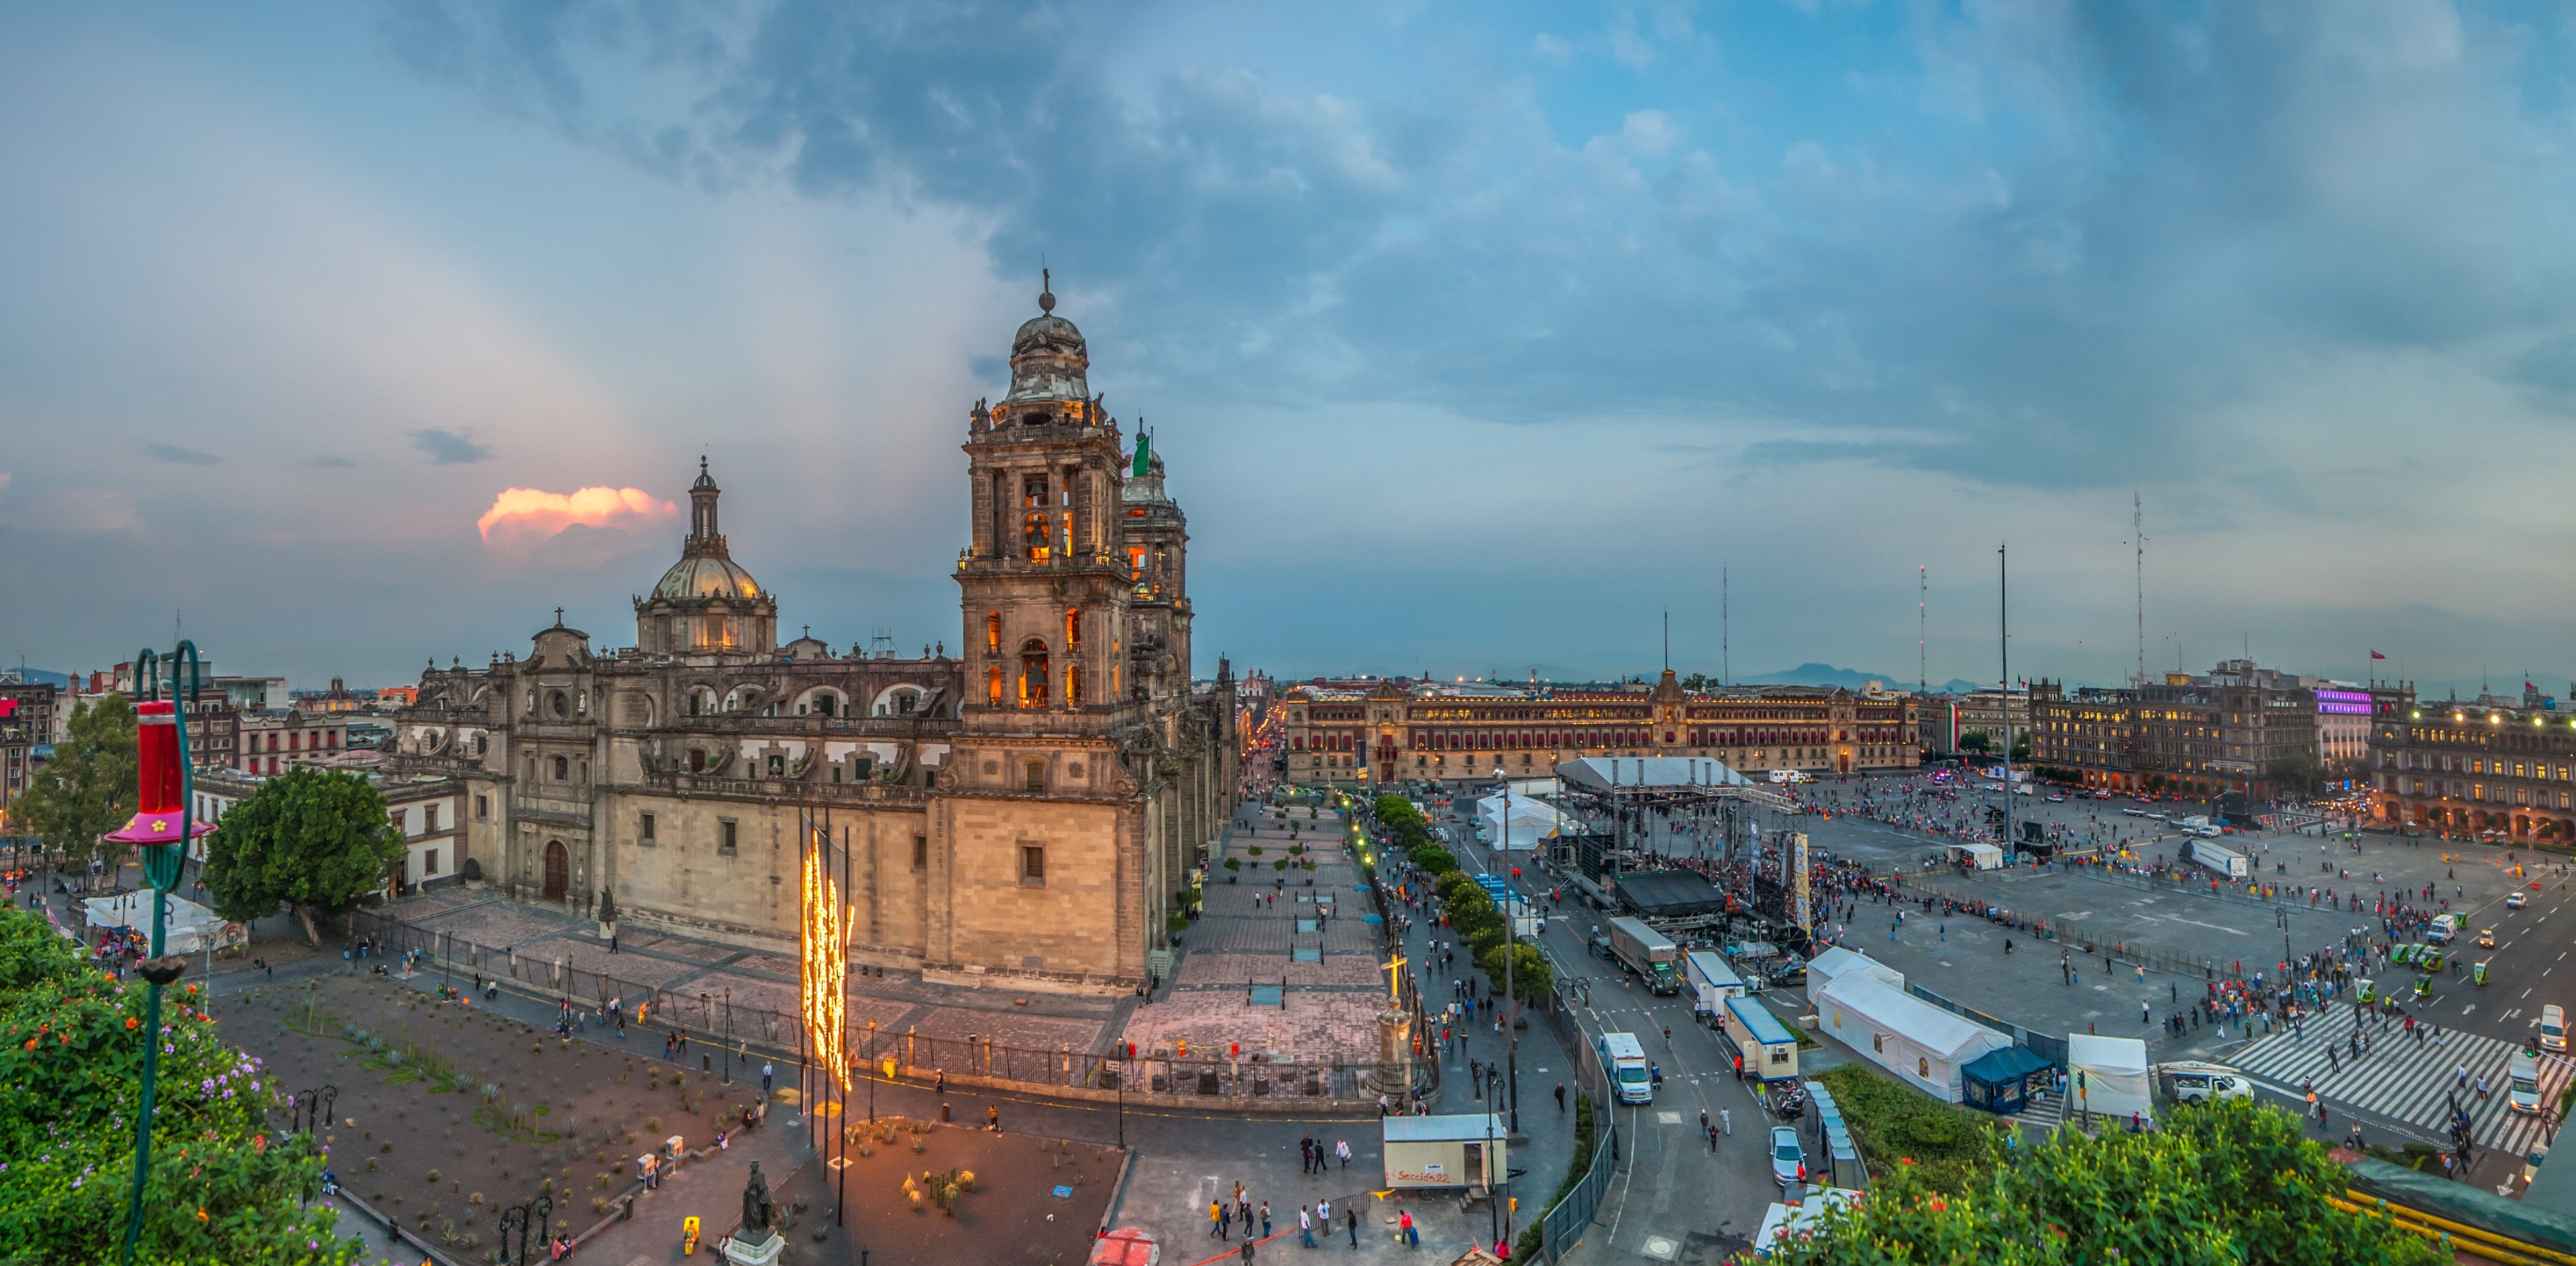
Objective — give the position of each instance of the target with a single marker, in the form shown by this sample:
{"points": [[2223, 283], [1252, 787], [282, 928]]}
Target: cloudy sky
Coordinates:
{"points": [[1478, 335]]}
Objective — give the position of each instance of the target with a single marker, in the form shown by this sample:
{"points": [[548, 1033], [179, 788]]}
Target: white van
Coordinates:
{"points": [[2553, 1027], [2522, 1084], [2195, 1082], [1625, 1063]]}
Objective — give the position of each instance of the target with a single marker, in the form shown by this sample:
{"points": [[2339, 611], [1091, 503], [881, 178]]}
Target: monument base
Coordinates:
{"points": [[765, 1253]]}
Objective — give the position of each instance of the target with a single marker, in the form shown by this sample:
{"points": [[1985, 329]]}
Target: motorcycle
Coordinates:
{"points": [[1792, 1105]]}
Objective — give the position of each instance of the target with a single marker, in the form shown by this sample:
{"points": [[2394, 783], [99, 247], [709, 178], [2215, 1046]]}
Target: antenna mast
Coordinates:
{"points": [[1725, 634], [1922, 596], [2138, 536]]}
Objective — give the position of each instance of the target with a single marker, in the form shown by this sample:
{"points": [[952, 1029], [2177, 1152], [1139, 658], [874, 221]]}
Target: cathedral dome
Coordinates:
{"points": [[706, 576], [1049, 360]]}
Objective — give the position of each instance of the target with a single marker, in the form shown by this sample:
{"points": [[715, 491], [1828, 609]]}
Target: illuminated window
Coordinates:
{"points": [[1033, 490], [1073, 684], [1033, 535], [993, 686], [1033, 674], [1073, 629]]}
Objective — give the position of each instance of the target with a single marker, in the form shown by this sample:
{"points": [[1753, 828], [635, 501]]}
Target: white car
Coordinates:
{"points": [[2057, 799]]}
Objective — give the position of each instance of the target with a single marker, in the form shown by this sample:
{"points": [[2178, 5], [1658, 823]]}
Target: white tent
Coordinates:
{"points": [[1922, 1044], [1835, 963], [2109, 1076], [1980, 856], [186, 931], [1531, 821]]}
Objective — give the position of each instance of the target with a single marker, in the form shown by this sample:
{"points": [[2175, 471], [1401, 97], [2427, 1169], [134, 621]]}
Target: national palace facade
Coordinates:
{"points": [[1396, 731], [1025, 805]]}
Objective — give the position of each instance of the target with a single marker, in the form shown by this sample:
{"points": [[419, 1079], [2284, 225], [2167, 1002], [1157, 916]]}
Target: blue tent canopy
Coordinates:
{"points": [[1999, 1081]]}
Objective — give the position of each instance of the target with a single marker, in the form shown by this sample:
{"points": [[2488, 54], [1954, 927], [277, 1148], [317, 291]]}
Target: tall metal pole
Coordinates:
{"points": [[2003, 643], [840, 1120], [1511, 950], [804, 1061]]}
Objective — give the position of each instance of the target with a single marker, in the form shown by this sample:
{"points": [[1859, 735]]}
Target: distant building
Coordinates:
{"points": [[2240, 728], [28, 716], [2494, 764], [1395, 730], [273, 741], [338, 698]]}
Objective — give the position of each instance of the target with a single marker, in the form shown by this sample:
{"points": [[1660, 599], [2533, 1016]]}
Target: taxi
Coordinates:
{"points": [[2486, 938]]}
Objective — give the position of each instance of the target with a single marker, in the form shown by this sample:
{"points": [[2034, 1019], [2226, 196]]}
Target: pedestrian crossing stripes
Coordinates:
{"points": [[2408, 1079]]}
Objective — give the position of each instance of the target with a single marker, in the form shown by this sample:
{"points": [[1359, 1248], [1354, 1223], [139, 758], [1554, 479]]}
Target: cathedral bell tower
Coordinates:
{"points": [[1044, 583]]}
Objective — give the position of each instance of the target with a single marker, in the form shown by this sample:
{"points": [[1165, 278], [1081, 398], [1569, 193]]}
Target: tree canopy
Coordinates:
{"points": [[222, 1189], [314, 840], [2229, 1183], [88, 788]]}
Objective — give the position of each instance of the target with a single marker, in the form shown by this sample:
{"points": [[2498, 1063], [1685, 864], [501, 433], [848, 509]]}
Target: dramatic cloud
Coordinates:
{"points": [[176, 455], [521, 515], [447, 448]]}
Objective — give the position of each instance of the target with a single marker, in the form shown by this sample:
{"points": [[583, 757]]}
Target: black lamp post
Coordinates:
{"points": [[539, 1211]]}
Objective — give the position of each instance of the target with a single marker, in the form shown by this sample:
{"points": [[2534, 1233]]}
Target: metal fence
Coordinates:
{"points": [[708, 1018], [1562, 1227]]}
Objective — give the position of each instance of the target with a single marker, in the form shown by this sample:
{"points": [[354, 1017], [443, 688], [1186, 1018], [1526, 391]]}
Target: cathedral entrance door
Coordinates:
{"points": [[558, 869]]}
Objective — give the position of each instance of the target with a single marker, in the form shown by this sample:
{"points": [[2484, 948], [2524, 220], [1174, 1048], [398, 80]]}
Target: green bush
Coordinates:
{"points": [[1433, 860], [1584, 1142], [224, 1185], [1234, 863], [2222, 1184], [1531, 975]]}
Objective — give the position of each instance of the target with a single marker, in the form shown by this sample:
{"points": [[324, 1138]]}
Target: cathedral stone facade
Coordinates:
{"points": [[1028, 807]]}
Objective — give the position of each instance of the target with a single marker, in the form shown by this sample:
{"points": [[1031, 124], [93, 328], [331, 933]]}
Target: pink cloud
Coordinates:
{"points": [[535, 514]]}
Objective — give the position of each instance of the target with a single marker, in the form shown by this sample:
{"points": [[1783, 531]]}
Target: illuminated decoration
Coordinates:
{"points": [[827, 966], [2343, 703]]}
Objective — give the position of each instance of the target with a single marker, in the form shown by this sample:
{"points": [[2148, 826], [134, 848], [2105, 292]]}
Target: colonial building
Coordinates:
{"points": [[1028, 806], [2494, 764], [1392, 731], [27, 729], [2238, 729]]}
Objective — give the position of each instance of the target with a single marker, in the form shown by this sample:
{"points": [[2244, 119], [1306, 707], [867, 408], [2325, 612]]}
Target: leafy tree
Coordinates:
{"points": [[310, 839], [1531, 976], [88, 788], [2021, 749], [222, 1187], [1433, 860], [2228, 1183], [1976, 741]]}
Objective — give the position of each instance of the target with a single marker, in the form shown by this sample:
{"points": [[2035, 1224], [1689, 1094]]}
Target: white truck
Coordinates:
{"points": [[1623, 1061], [2220, 858], [2198, 825]]}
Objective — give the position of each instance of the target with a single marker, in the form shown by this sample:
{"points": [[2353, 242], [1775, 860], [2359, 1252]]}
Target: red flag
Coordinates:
{"points": [[2377, 655]]}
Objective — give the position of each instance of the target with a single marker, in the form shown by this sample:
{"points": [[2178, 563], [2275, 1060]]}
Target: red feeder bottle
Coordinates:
{"points": [[159, 800]]}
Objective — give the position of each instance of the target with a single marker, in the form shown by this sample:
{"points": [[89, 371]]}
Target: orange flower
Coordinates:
{"points": [[201, 1213], [131, 1022], [259, 1144], [31, 1043]]}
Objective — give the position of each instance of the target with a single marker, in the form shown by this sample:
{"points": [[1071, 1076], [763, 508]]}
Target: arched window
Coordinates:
{"points": [[992, 632], [1073, 684], [1072, 629], [1033, 775], [993, 686], [563, 769], [1033, 674], [1034, 536]]}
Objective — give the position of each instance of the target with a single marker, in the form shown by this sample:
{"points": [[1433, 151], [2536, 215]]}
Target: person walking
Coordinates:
{"points": [[1404, 1224], [1342, 1149], [1354, 1216], [1560, 1096], [1265, 1219], [1225, 1222], [1306, 1225], [766, 1072], [1216, 1220], [1324, 1209]]}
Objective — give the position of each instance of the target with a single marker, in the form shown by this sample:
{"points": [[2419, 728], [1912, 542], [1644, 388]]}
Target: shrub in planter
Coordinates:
{"points": [[1234, 863]]}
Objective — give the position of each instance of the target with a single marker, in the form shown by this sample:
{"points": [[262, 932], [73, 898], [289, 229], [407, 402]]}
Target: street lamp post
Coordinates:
{"points": [[1511, 950]]}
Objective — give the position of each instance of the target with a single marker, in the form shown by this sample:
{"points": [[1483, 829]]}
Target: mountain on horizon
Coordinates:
{"points": [[1816, 674], [39, 677]]}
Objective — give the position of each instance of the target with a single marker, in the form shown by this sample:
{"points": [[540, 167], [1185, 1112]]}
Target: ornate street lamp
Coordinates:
{"points": [[163, 823], [539, 1211]]}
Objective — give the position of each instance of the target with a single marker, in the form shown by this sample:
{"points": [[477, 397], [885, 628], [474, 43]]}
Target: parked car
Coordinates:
{"points": [[1788, 1156]]}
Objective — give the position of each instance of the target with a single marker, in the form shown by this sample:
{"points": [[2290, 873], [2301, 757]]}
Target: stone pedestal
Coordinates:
{"points": [[1394, 1077], [765, 1253]]}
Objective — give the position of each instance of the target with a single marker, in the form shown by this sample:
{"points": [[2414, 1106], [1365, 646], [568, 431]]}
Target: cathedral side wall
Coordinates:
{"points": [[685, 875], [1065, 923]]}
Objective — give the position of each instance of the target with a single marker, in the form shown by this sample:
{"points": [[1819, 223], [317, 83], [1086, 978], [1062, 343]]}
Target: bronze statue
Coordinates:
{"points": [[757, 1209]]}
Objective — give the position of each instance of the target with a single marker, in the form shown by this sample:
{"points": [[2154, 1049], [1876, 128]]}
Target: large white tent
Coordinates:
{"points": [[186, 931], [1835, 963], [1922, 1044], [1531, 821]]}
